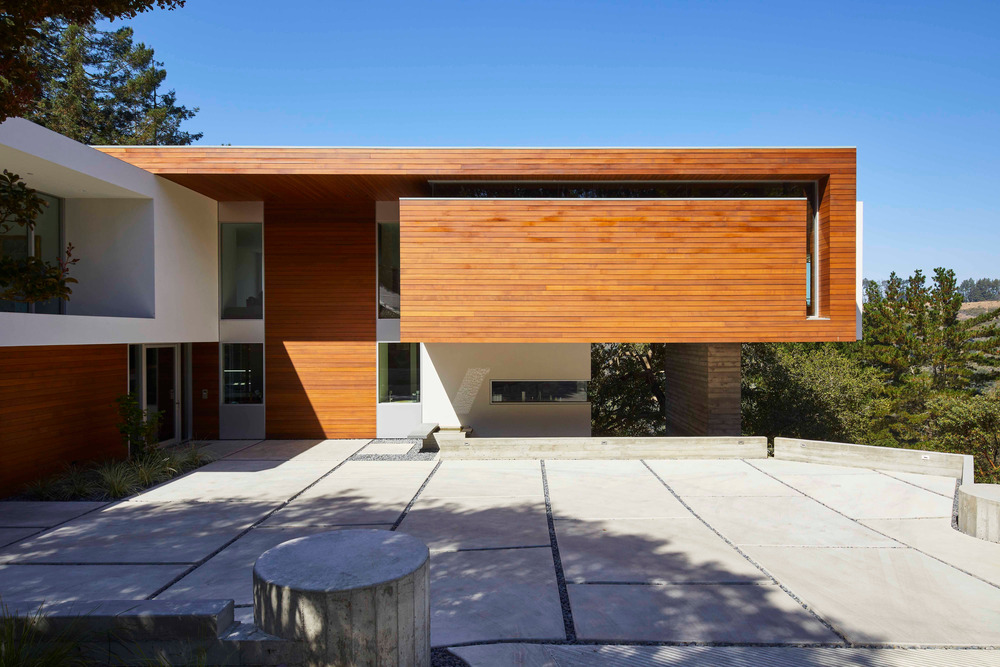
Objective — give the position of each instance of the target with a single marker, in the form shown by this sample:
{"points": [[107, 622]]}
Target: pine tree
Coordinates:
{"points": [[100, 87]]}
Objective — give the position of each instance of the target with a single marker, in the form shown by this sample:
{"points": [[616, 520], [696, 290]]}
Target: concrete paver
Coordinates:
{"points": [[871, 497], [639, 565], [713, 613], [548, 655], [723, 477], [888, 595], [936, 483], [138, 532], [608, 490], [229, 574], [780, 467], [17, 514], [240, 481], [937, 538], [486, 478], [11, 535], [478, 522], [327, 451], [490, 595], [358, 492], [649, 550], [794, 521], [67, 583], [218, 449]]}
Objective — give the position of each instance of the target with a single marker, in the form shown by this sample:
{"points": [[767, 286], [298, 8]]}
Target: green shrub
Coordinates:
{"points": [[75, 482], [139, 428], [116, 479], [46, 488], [192, 458], [153, 467]]}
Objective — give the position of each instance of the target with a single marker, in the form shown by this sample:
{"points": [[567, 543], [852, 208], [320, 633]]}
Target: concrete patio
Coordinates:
{"points": [[562, 562]]}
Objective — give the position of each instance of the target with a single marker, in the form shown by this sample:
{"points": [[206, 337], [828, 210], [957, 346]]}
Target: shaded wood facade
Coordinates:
{"points": [[57, 407]]}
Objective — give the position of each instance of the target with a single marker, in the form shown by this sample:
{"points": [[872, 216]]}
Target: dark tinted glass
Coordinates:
{"points": [[538, 391]]}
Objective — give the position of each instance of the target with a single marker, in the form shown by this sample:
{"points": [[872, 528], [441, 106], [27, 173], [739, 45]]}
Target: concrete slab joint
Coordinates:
{"points": [[351, 597]]}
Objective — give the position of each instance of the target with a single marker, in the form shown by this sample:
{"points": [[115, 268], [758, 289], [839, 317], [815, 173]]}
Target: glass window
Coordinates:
{"points": [[45, 243], [242, 373], [399, 372], [538, 391], [242, 271], [388, 270]]}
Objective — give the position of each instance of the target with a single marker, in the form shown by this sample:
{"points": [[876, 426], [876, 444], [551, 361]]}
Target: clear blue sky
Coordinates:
{"points": [[914, 85]]}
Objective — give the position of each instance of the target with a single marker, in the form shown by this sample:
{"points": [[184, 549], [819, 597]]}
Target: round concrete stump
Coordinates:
{"points": [[352, 597]]}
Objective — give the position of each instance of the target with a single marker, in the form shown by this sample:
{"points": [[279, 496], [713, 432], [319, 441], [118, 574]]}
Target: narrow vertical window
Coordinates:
{"points": [[388, 270], [399, 372], [811, 236], [242, 271]]}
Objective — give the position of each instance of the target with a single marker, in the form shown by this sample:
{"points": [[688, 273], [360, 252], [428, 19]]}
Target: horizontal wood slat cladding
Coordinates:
{"points": [[320, 302], [703, 389], [294, 174], [566, 270], [205, 377], [57, 406]]}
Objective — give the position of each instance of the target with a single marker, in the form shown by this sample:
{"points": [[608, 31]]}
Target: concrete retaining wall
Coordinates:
{"points": [[454, 446], [137, 632], [881, 458]]}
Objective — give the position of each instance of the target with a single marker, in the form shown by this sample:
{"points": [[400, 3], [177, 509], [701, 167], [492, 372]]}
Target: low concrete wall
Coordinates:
{"points": [[882, 458], [454, 446], [979, 511], [137, 632]]}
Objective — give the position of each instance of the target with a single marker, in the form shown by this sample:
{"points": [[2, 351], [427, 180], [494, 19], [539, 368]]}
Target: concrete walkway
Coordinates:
{"points": [[611, 562]]}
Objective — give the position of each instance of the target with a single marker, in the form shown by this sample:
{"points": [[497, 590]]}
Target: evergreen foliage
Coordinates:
{"points": [[100, 87], [626, 390], [21, 31], [921, 377], [983, 289]]}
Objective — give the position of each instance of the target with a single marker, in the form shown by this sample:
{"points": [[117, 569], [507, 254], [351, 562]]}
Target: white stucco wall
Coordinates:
{"points": [[455, 387], [114, 238], [184, 250]]}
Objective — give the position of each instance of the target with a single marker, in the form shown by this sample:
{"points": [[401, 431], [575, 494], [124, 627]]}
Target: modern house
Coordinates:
{"points": [[358, 292]]}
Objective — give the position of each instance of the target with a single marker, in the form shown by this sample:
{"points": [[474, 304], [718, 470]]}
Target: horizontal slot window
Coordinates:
{"points": [[538, 391]]}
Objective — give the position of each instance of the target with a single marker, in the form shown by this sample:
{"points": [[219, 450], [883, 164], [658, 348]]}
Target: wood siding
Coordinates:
{"points": [[569, 270], [320, 301], [205, 377], [57, 407], [703, 389]]}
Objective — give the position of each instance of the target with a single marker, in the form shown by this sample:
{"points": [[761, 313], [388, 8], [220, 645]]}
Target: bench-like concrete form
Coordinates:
{"points": [[456, 446], [880, 458], [979, 511], [137, 632], [425, 433], [351, 597]]}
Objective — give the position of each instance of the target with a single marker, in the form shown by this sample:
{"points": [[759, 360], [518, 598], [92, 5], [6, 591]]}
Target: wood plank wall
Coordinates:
{"points": [[205, 376], [607, 271], [703, 389], [320, 300], [57, 406]]}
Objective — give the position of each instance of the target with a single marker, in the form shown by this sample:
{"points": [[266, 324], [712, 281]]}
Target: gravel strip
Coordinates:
{"points": [[413, 455]]}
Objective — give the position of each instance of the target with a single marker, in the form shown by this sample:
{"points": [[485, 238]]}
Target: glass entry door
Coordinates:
{"points": [[161, 389]]}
